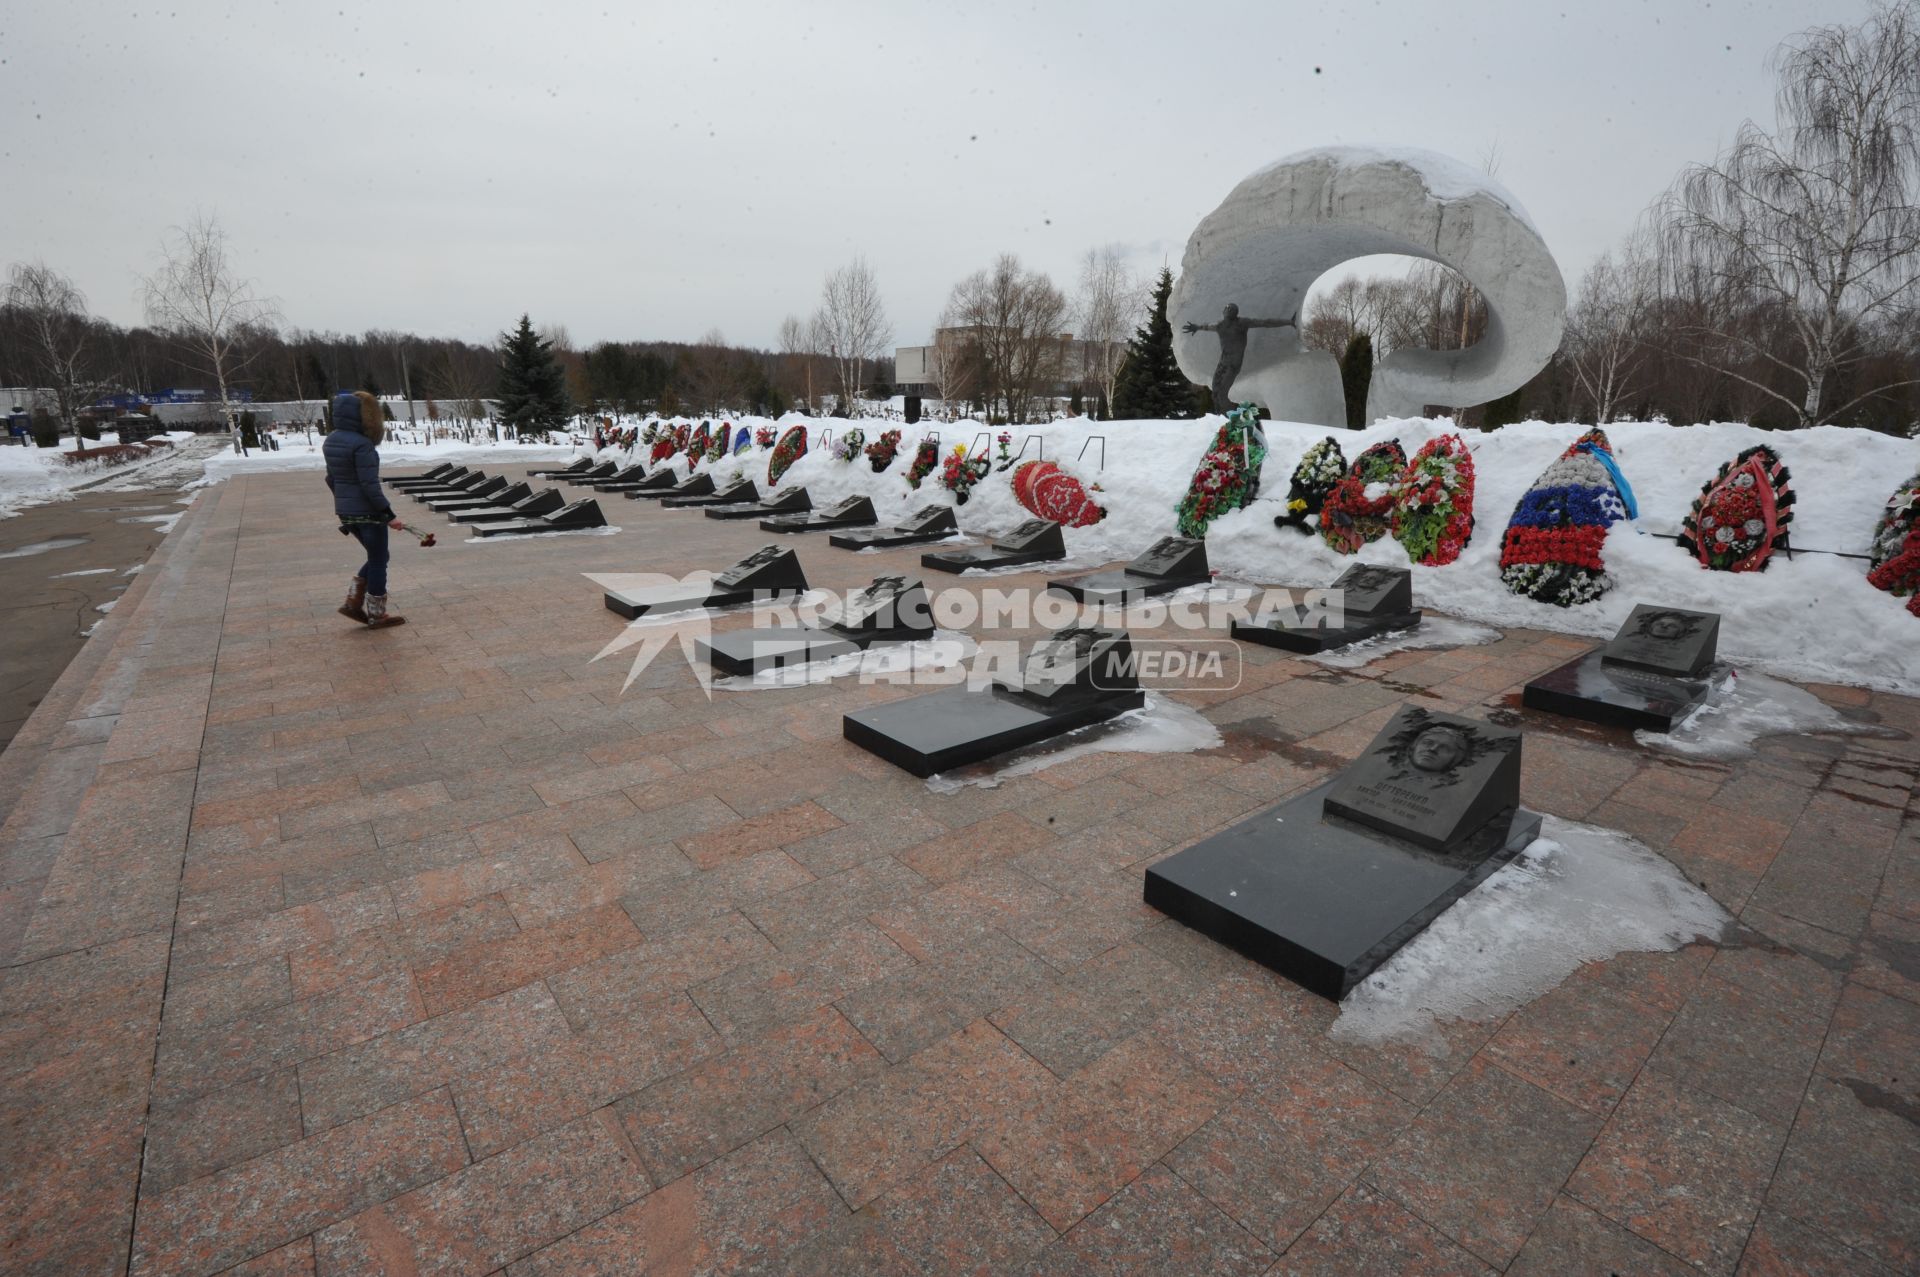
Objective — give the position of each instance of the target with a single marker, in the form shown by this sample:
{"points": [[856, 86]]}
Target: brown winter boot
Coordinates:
{"points": [[377, 615], [355, 607]]}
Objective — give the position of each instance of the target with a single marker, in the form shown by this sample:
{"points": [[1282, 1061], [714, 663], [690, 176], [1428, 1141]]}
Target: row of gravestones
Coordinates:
{"points": [[1325, 887]]}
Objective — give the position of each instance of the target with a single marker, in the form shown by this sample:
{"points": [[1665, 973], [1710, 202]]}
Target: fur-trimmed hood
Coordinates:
{"points": [[359, 411]]}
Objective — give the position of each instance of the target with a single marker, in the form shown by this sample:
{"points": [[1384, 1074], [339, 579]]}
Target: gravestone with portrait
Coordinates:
{"points": [[929, 523], [1169, 564], [1035, 541], [893, 609], [1327, 886], [767, 573], [472, 483], [854, 512], [1657, 670], [576, 466], [545, 501], [1074, 678], [574, 517], [738, 491], [1372, 600], [792, 499]]}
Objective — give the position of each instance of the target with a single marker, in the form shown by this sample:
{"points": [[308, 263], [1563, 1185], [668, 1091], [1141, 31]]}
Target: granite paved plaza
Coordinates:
{"points": [[431, 951]]}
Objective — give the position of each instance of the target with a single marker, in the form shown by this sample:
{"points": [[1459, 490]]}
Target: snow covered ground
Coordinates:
{"points": [[1813, 617], [34, 476]]}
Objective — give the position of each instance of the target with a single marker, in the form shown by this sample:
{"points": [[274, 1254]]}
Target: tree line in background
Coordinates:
{"points": [[1777, 284]]}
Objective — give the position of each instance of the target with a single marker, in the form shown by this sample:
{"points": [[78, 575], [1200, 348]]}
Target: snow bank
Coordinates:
{"points": [[1809, 618], [1578, 894]]}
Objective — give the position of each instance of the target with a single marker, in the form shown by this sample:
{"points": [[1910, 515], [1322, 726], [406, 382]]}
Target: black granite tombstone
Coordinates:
{"points": [[451, 488], [1655, 672], [577, 466], [1327, 886], [438, 476], [735, 493], [1169, 564], [766, 573], [791, 500], [699, 485], [930, 523], [1035, 541], [545, 501], [506, 494], [1374, 601], [893, 609], [854, 512], [584, 513], [1074, 678], [619, 479], [605, 470], [657, 484]]}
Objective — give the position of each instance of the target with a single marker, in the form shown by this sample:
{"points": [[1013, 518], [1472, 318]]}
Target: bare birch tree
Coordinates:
{"points": [[851, 326], [1011, 322], [797, 345], [213, 312], [1606, 337], [1814, 227], [50, 321], [1109, 297]]}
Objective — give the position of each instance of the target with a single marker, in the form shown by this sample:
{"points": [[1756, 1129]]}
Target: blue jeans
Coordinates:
{"points": [[373, 536]]}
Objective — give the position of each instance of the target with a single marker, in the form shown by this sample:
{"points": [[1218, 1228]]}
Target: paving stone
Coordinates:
{"points": [[218, 1130], [1484, 1160], [682, 1123], [495, 1210], [1852, 1144], [1365, 1232], [488, 967], [1156, 1225], [955, 1216], [260, 1205], [747, 1212], [361, 1079], [1682, 1169]]}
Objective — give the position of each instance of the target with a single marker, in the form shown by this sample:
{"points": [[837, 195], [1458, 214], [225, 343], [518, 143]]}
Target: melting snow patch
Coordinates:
{"points": [[1158, 727], [82, 572], [1441, 631], [1578, 894], [501, 537], [1748, 707], [105, 607], [42, 547]]}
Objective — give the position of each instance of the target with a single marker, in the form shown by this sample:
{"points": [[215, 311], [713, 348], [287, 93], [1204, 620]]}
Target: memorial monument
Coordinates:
{"points": [[1289, 223]]}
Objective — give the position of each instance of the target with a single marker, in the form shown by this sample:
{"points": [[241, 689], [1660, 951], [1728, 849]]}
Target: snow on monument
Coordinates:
{"points": [[1287, 224]]}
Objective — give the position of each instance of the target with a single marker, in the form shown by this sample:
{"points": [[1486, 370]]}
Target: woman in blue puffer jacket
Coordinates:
{"points": [[352, 451]]}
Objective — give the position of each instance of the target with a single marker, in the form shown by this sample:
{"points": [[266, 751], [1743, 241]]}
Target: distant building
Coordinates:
{"points": [[917, 370]]}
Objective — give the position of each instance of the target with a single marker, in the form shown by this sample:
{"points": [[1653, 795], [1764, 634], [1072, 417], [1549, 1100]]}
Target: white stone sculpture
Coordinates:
{"points": [[1286, 225]]}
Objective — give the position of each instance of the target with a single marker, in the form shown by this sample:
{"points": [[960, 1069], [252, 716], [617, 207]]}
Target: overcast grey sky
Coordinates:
{"points": [[656, 171]]}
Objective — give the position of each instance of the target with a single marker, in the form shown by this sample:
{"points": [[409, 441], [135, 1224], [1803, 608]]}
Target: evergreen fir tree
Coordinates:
{"points": [[1356, 375], [533, 386], [1504, 411], [1150, 383]]}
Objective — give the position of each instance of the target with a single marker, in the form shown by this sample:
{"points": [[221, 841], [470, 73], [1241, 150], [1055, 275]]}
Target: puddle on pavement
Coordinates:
{"points": [[42, 547]]}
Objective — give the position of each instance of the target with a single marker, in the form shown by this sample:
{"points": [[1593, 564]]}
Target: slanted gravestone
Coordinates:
{"points": [[1666, 640], [1434, 779]]}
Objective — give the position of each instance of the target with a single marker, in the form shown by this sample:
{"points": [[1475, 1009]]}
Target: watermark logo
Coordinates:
{"points": [[673, 614]]}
